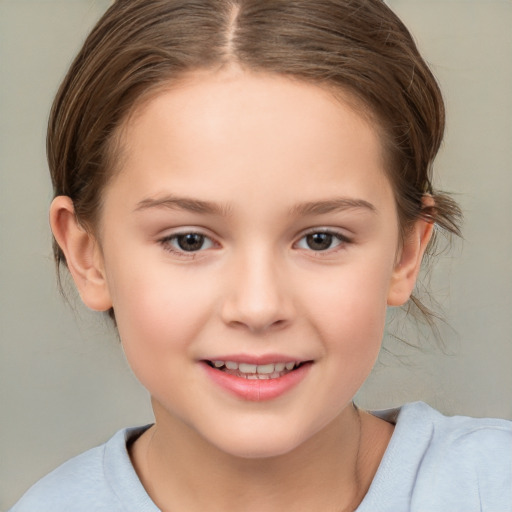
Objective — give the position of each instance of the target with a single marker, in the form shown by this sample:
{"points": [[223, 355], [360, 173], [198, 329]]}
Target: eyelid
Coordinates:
{"points": [[325, 229], [165, 242], [336, 233]]}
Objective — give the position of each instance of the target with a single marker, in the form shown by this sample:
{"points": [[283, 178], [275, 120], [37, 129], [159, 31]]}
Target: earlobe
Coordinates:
{"points": [[83, 255], [408, 265]]}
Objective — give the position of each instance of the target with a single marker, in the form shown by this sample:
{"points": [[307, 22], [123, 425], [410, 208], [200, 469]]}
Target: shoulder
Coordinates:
{"points": [[94, 480], [466, 458], [78, 481], [475, 438], [438, 463], [475, 441]]}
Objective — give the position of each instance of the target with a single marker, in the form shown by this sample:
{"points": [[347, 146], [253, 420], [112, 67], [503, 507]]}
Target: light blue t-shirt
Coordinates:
{"points": [[433, 463]]}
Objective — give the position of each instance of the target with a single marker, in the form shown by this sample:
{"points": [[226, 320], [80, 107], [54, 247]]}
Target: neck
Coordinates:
{"points": [[331, 471]]}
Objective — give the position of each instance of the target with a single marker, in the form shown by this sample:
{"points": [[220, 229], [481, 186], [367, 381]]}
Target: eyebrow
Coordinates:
{"points": [[208, 207], [184, 203], [332, 205]]}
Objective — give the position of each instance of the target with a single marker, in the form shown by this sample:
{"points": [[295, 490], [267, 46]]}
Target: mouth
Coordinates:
{"points": [[258, 379], [256, 371]]}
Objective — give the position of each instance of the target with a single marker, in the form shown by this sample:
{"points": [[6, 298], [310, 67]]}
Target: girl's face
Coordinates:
{"points": [[252, 223]]}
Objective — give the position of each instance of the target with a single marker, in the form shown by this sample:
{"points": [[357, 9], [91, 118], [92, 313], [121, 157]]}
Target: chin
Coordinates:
{"points": [[258, 449], [258, 443]]}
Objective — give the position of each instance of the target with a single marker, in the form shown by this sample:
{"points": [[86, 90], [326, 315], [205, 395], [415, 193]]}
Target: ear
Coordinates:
{"points": [[83, 255], [408, 264]]}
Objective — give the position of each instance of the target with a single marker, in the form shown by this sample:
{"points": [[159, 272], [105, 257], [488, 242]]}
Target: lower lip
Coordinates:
{"points": [[256, 390]]}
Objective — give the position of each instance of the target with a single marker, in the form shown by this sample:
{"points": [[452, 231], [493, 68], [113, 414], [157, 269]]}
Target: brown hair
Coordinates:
{"points": [[355, 46]]}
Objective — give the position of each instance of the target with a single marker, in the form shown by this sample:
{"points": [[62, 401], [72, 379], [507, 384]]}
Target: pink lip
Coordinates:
{"points": [[256, 390]]}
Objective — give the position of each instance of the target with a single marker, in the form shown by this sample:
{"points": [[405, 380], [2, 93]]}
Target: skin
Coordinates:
{"points": [[271, 157]]}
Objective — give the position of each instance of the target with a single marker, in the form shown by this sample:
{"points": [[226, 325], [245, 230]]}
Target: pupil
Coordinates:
{"points": [[319, 241], [190, 242]]}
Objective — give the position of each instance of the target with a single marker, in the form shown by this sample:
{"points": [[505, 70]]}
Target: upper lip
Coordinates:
{"points": [[257, 359]]}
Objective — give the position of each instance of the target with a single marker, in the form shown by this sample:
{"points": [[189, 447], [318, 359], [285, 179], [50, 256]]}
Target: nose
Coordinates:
{"points": [[257, 297]]}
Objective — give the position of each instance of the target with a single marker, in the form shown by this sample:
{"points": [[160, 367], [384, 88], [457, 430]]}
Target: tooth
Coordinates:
{"points": [[251, 376], [247, 368], [265, 368], [218, 364], [264, 377], [231, 365], [290, 366], [279, 367]]}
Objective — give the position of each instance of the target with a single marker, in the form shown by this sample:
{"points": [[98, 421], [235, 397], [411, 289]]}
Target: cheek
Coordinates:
{"points": [[349, 312], [158, 313], [354, 297]]}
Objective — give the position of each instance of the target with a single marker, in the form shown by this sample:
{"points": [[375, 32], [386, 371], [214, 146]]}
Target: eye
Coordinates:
{"points": [[321, 241], [187, 242]]}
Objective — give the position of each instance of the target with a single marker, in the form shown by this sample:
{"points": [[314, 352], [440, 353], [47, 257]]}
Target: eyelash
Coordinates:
{"points": [[342, 240], [167, 242]]}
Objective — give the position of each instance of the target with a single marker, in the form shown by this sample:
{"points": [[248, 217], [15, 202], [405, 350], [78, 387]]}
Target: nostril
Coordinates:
{"points": [[279, 323]]}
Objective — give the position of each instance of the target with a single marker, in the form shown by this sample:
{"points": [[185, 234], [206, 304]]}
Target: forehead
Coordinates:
{"points": [[238, 127]]}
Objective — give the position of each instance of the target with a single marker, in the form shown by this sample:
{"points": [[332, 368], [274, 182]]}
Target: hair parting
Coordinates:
{"points": [[356, 48]]}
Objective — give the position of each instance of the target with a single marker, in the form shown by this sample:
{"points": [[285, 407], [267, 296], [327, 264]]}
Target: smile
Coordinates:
{"points": [[255, 371], [250, 381]]}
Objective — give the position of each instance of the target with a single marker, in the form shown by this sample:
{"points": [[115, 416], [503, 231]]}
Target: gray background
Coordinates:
{"points": [[64, 385]]}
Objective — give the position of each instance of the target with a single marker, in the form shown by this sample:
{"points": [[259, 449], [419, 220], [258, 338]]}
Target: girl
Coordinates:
{"points": [[245, 186]]}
